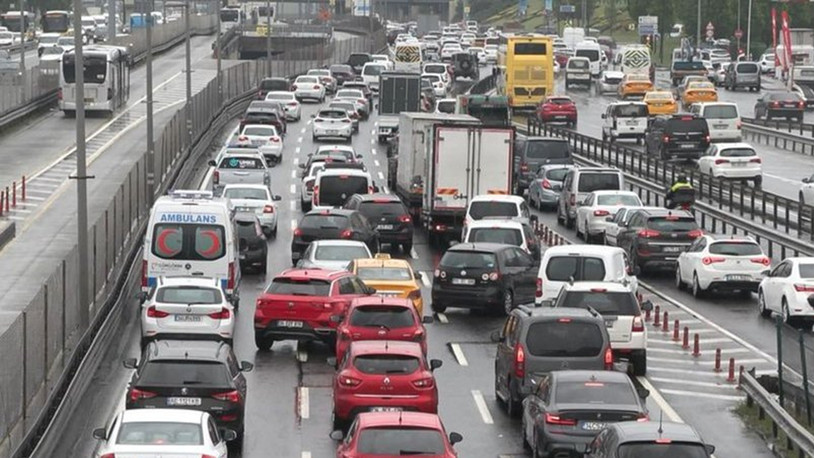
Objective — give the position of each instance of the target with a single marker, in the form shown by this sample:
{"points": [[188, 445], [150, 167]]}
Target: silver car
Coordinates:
{"points": [[239, 169], [258, 199], [332, 254], [544, 190]]}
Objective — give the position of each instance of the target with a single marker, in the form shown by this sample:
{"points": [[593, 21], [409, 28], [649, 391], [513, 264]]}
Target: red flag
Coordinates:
{"points": [[786, 37], [774, 37]]}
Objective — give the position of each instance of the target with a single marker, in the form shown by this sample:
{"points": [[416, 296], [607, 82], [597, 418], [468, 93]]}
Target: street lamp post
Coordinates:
{"points": [[218, 50], [268, 37], [81, 169], [739, 27], [188, 105], [749, 31], [698, 28], [22, 47], [148, 15], [111, 20]]}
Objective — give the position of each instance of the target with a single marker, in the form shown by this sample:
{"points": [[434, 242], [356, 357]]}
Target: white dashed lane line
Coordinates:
{"points": [[381, 176], [459, 354], [293, 224], [480, 403], [425, 279], [293, 189], [305, 407], [375, 161]]}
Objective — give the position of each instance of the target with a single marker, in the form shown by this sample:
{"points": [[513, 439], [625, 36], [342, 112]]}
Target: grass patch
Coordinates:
{"points": [[763, 427]]}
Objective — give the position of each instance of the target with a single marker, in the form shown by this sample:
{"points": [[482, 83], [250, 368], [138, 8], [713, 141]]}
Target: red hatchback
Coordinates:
{"points": [[394, 434], [298, 304], [380, 318], [384, 375], [558, 108]]}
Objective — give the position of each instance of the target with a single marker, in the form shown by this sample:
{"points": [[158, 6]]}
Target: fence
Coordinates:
{"points": [[797, 137], [483, 86], [44, 348]]}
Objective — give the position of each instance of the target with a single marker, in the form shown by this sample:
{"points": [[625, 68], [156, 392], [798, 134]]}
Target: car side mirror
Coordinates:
{"points": [[427, 320], [358, 156], [276, 197], [100, 434], [130, 363], [302, 166], [212, 163], [637, 271], [647, 305], [643, 393], [313, 116], [228, 435], [547, 303], [806, 180], [376, 188], [495, 336], [533, 219], [416, 276], [142, 297], [604, 116], [335, 318], [337, 435], [454, 438], [709, 448], [246, 366], [371, 290], [609, 219], [765, 273], [435, 364]]}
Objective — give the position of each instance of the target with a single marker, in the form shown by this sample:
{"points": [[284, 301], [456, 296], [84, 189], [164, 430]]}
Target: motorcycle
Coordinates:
{"points": [[682, 199]]}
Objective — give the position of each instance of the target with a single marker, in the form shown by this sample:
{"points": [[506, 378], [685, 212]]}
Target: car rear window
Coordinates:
{"points": [[598, 181], [333, 114], [184, 373], [544, 149], [734, 248], [299, 287], [188, 295], [266, 131], [401, 441], [672, 224], [785, 96], [373, 70], [242, 163], [339, 68], [556, 174], [664, 448], [564, 338], [692, 126], [386, 364], [747, 68], [307, 80], [377, 316], [468, 260], [484, 209], [356, 59], [630, 111], [618, 199], [336, 189], [605, 303], [246, 193], [324, 222], [446, 106], [376, 210], [274, 85], [560, 101], [806, 270], [508, 236], [593, 392], [562, 268], [159, 432], [340, 253], [737, 152], [384, 273], [721, 112]]}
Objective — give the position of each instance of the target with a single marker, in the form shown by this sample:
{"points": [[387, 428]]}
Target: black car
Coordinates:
{"points": [[657, 236], [342, 73], [464, 65], [531, 153], [427, 93], [780, 104], [272, 106], [190, 374], [485, 276], [682, 136], [272, 84], [251, 242], [388, 213], [649, 438], [358, 60], [335, 223], [567, 409], [264, 116]]}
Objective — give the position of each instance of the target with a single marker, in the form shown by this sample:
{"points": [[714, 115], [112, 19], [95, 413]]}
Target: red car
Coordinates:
{"points": [[298, 304], [558, 108], [380, 318], [384, 434], [384, 375]]}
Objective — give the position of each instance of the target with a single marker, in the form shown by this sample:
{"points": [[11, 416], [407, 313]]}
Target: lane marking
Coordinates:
{"points": [[372, 141], [299, 140], [373, 151], [665, 341], [302, 355], [375, 161], [413, 253], [704, 363], [704, 373], [723, 397], [381, 176], [386, 191], [293, 224], [296, 161], [671, 414], [425, 279], [296, 150], [459, 354], [305, 408], [305, 455], [293, 189], [724, 351], [442, 317], [303, 129], [692, 383], [294, 174], [480, 403]]}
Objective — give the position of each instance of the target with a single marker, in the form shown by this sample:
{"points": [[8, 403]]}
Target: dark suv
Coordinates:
{"points": [[190, 374], [390, 216], [681, 136], [537, 341], [486, 276], [251, 242], [334, 223], [272, 84], [657, 236], [464, 65], [530, 153]]}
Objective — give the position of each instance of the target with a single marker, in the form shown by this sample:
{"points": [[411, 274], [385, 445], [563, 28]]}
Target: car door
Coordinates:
{"points": [[582, 212], [527, 275], [565, 194], [773, 285], [533, 409], [706, 160], [624, 237], [687, 260], [505, 354], [808, 191], [616, 225]]}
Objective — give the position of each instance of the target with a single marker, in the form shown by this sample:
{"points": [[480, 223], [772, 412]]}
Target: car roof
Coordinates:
{"points": [[729, 238], [617, 104], [330, 212], [381, 262], [598, 286], [163, 415], [317, 274], [188, 281], [379, 198], [538, 138], [246, 186], [409, 419], [582, 250], [338, 242], [498, 198], [187, 350], [382, 301], [634, 431], [614, 74], [479, 247], [548, 313], [588, 375], [377, 347], [652, 211]]}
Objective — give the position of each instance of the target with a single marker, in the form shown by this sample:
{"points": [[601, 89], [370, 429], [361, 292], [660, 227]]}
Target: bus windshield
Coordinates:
{"points": [[55, 22], [229, 15], [95, 69]]}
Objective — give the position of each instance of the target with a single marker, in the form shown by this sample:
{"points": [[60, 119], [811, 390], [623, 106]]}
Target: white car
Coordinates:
{"points": [[449, 49], [186, 308], [332, 123], [438, 85], [445, 106], [155, 433], [6, 39], [468, 38], [592, 215], [332, 254], [293, 109], [307, 185], [722, 263], [479, 53], [370, 74], [441, 70], [382, 59], [65, 43], [609, 82], [357, 97], [786, 290], [767, 63], [265, 138], [502, 231], [47, 40], [807, 191], [325, 78], [309, 87], [51, 54], [255, 198], [491, 53], [732, 160]]}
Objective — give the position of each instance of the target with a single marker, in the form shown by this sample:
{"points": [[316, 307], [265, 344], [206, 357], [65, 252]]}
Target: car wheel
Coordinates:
{"points": [[569, 222], [438, 308], [407, 247], [697, 291], [513, 406], [761, 305], [560, 219], [758, 181], [784, 307], [535, 448], [508, 302], [263, 343], [639, 360], [523, 428], [678, 282]]}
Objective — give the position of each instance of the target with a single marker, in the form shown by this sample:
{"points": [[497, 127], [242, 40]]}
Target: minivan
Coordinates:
{"points": [[333, 187], [530, 153], [582, 181], [561, 264], [624, 120], [723, 119], [743, 74]]}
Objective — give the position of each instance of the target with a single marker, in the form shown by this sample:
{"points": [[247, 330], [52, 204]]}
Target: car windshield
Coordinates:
{"points": [[468, 260], [806, 270], [373, 70], [397, 441], [563, 268], [693, 126], [735, 248], [737, 152], [785, 96], [260, 131], [721, 112], [591, 54], [590, 181], [564, 337], [508, 236], [319, 72], [340, 68], [307, 80], [384, 273], [246, 193], [340, 252], [672, 224], [174, 373], [380, 315], [604, 302], [560, 101], [556, 174], [299, 287], [188, 295], [241, 163], [594, 392], [319, 221], [446, 106], [662, 449], [630, 111], [619, 199], [159, 433], [483, 209], [432, 77], [386, 364]]}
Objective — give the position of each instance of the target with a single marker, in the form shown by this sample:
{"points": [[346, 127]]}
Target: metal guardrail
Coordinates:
{"points": [[797, 137], [483, 86], [797, 437]]}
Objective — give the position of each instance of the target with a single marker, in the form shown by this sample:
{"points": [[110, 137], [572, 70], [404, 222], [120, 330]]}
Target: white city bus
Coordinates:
{"points": [[107, 79]]}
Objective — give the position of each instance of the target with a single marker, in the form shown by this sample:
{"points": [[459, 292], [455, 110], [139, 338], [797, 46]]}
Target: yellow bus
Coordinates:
{"points": [[526, 69]]}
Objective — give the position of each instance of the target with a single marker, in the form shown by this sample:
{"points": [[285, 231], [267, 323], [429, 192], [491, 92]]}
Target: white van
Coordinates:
{"points": [[192, 233], [624, 120], [581, 181], [496, 206], [370, 74], [333, 187], [582, 263], [723, 119], [593, 52]]}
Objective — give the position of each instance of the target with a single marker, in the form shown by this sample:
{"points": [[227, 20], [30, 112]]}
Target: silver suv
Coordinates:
{"points": [[537, 341]]}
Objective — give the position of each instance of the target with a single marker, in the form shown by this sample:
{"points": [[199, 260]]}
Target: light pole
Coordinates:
{"points": [[749, 31], [111, 20], [698, 28], [268, 37], [81, 168], [585, 17], [218, 50], [188, 45], [739, 27], [148, 14], [22, 46]]}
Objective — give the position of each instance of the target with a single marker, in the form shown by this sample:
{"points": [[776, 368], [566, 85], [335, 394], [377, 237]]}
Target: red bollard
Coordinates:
{"points": [[23, 189], [731, 377], [696, 346], [686, 342], [656, 317], [13, 194], [664, 323], [675, 331], [717, 360], [647, 315]]}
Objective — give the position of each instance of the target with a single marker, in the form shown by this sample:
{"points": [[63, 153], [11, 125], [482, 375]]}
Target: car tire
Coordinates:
{"points": [[263, 343], [508, 302], [679, 283], [438, 308], [569, 222], [784, 309], [758, 181], [639, 360], [697, 291], [407, 247], [535, 447], [513, 406], [306, 207], [765, 312], [560, 219]]}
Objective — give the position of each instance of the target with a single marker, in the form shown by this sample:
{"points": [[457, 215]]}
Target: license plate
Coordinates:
{"points": [[89, 100], [686, 146], [672, 249], [560, 117], [720, 126], [188, 318], [632, 123], [463, 281], [385, 227], [386, 409], [388, 294], [257, 142], [592, 425], [738, 278], [333, 132], [183, 401], [289, 324], [609, 323], [739, 164]]}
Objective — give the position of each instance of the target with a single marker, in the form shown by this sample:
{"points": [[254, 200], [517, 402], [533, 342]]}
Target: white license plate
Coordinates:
{"points": [[686, 146], [560, 117], [183, 401], [289, 324], [89, 100], [463, 281], [257, 142], [672, 249], [188, 318], [609, 323], [333, 132], [385, 227], [738, 278], [739, 164], [386, 409], [632, 123], [720, 126], [592, 425], [388, 294]]}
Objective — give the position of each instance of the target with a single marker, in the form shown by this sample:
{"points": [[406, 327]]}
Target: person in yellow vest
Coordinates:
{"points": [[680, 194]]}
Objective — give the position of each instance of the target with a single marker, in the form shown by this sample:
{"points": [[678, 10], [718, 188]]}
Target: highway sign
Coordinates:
{"points": [[649, 20], [569, 9]]}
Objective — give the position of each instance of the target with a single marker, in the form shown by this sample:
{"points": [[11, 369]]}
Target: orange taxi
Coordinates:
{"points": [[660, 103], [699, 91], [635, 85], [390, 277]]}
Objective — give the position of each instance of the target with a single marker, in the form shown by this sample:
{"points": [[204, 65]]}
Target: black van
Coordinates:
{"points": [[683, 136]]}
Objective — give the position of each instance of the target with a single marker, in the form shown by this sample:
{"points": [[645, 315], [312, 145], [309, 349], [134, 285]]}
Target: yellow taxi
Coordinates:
{"points": [[390, 277], [699, 91], [660, 103], [635, 85]]}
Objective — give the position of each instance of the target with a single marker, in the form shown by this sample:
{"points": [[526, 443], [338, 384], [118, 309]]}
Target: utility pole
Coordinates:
{"points": [[268, 37], [749, 31], [187, 14], [148, 14], [111, 20], [81, 168], [698, 28], [23, 30], [739, 28], [585, 16], [218, 50]]}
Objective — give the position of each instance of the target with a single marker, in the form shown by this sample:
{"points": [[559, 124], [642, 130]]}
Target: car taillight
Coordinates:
{"points": [[546, 184], [344, 334], [405, 218], [224, 314], [108, 455], [346, 234], [439, 273], [519, 361], [601, 213], [573, 199], [268, 209], [638, 324], [649, 233], [215, 177], [552, 419], [319, 120], [315, 196], [694, 234], [801, 105], [292, 104], [609, 359], [229, 396], [144, 280], [775, 104], [764, 260], [242, 138], [755, 160], [316, 87], [804, 288], [738, 125], [707, 260], [362, 101], [230, 282], [418, 335], [424, 383], [721, 161], [260, 94], [344, 380], [643, 417], [59, 94], [666, 139], [136, 394], [297, 232], [706, 138], [274, 139], [153, 312]]}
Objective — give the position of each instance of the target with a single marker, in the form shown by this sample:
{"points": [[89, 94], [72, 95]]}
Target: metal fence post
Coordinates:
{"points": [[805, 375], [779, 326]]}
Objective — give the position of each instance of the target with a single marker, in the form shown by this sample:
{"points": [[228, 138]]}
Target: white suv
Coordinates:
{"points": [[625, 120], [582, 263], [509, 232], [620, 309]]}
